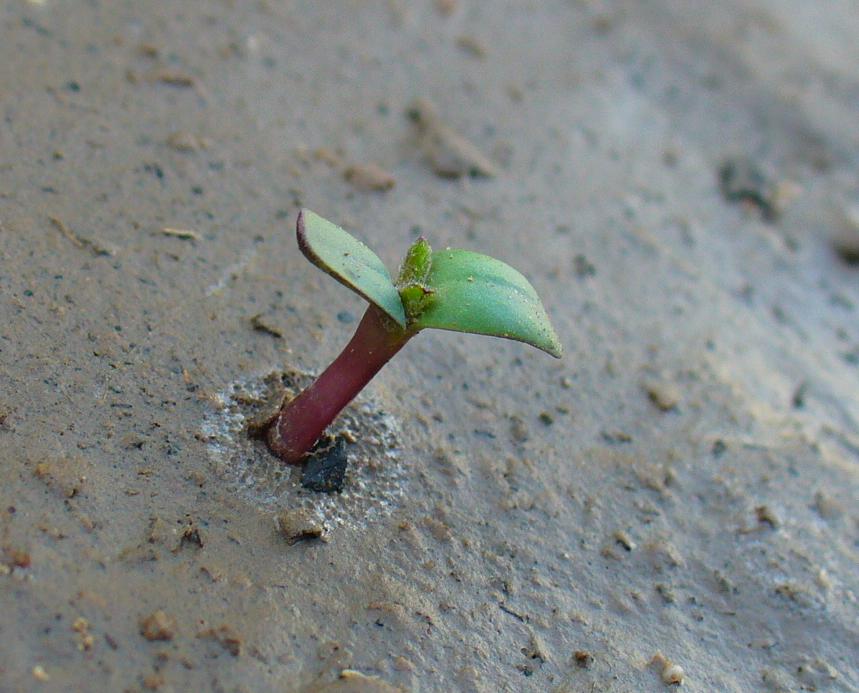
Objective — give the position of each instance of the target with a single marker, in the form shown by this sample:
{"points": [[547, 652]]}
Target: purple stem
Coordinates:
{"points": [[302, 420]]}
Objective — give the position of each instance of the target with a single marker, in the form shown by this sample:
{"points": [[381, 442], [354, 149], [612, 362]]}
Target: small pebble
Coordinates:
{"points": [[665, 396], [226, 636], [741, 180], [846, 242], [299, 525], [403, 664], [158, 626], [766, 515], [672, 674], [369, 177], [450, 154], [624, 540], [186, 142], [583, 659]]}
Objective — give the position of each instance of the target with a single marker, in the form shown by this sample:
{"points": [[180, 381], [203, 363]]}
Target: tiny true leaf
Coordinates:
{"points": [[350, 262], [412, 281]]}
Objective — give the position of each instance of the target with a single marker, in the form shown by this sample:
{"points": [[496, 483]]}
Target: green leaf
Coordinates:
{"points": [[350, 262], [477, 293]]}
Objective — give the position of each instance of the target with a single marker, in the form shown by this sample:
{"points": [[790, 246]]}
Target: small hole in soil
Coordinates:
{"points": [[354, 476]]}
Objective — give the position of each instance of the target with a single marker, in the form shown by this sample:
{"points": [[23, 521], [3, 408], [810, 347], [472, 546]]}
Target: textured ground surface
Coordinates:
{"points": [[683, 482]]}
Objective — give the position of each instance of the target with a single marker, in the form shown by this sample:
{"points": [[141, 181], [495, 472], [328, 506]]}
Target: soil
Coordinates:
{"points": [[674, 503]]}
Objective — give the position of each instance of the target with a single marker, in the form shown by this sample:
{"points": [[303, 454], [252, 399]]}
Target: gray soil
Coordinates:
{"points": [[679, 182]]}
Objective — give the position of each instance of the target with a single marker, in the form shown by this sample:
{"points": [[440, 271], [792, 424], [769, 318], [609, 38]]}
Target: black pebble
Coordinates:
{"points": [[325, 470]]}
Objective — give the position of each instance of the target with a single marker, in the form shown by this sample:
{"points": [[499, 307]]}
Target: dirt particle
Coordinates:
{"points": [[602, 24], [450, 155], [157, 531], [847, 248], [226, 636], [261, 324], [815, 674], [666, 593], [268, 406], [616, 437], [40, 674], [656, 477], [299, 525], [664, 554], [197, 478], [777, 680], [583, 267], [742, 181], [148, 50], [183, 141], [623, 539], [190, 536], [846, 240], [767, 516], [153, 681], [664, 395], [182, 234], [439, 530], [583, 659], [536, 649], [671, 674], [796, 592], [446, 7], [403, 664], [85, 639], [351, 681], [158, 626], [66, 476], [173, 78], [518, 429], [328, 156], [17, 558], [472, 46], [369, 177], [97, 248]]}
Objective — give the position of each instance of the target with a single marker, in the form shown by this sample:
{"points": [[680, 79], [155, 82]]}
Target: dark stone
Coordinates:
{"points": [[325, 470]]}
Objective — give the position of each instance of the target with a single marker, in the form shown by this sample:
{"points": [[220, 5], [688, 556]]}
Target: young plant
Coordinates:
{"points": [[448, 289]]}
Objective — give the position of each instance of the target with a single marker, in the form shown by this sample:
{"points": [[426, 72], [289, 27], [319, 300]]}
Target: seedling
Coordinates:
{"points": [[449, 289]]}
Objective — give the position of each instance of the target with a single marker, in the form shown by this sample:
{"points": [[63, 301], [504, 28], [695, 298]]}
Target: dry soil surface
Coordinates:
{"points": [[675, 501]]}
